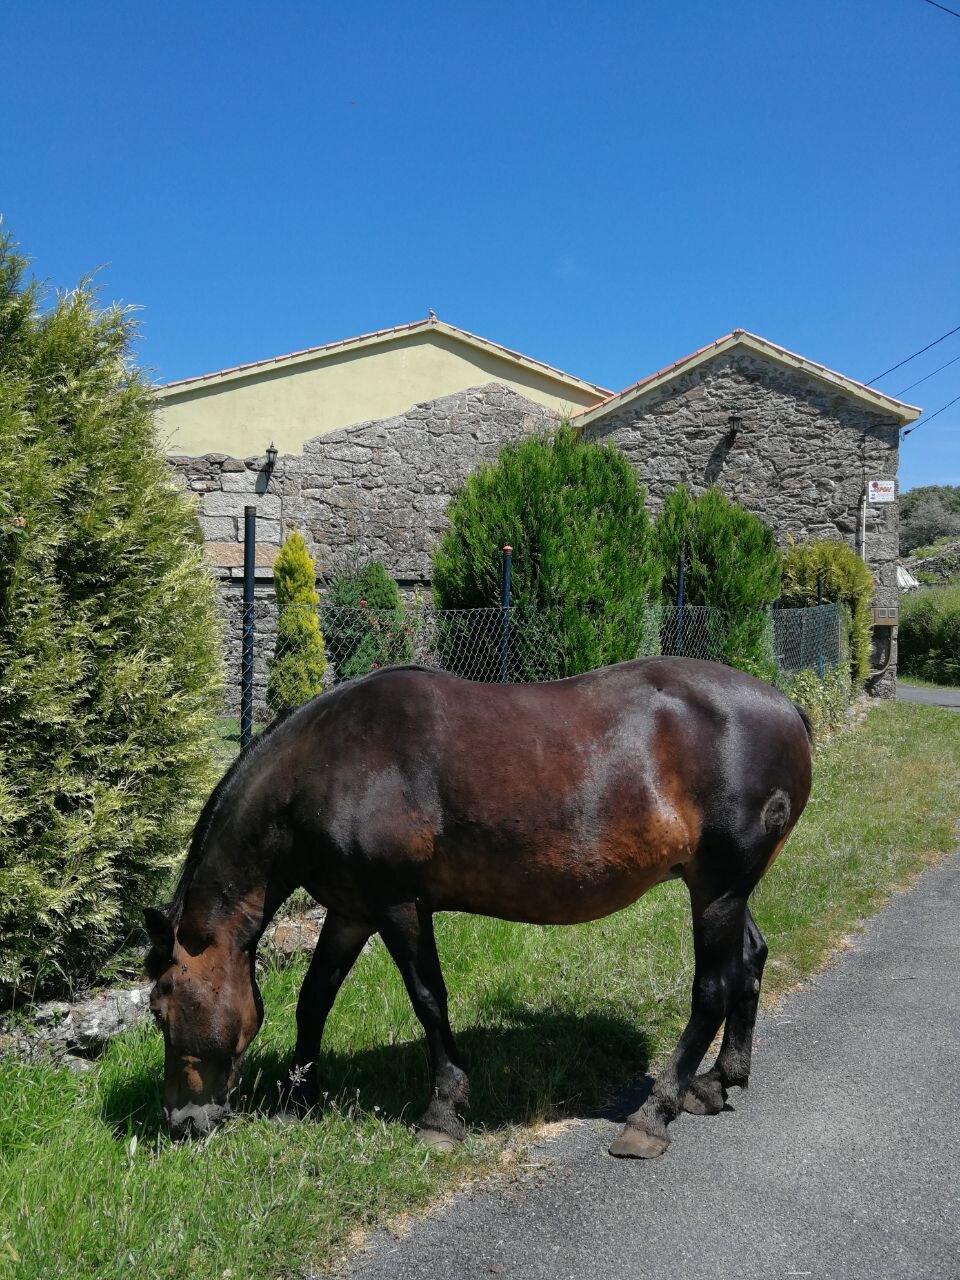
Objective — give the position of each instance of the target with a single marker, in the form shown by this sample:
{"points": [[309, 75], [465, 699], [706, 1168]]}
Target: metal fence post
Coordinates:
{"points": [[819, 625], [246, 649], [681, 567], [505, 615]]}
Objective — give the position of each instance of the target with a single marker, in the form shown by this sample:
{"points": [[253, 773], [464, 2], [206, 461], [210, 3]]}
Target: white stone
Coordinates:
{"points": [[232, 504]]}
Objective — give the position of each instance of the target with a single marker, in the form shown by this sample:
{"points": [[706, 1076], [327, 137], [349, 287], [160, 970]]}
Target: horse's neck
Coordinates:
{"points": [[228, 899]]}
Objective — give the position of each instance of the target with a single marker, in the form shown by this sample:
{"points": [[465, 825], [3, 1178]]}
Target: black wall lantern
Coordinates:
{"points": [[271, 456], [734, 423]]}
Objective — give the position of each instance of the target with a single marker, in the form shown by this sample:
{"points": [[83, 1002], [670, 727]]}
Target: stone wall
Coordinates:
{"points": [[223, 487], [799, 460], [380, 489]]}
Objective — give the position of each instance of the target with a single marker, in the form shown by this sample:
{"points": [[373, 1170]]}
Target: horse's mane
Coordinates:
{"points": [[201, 830]]}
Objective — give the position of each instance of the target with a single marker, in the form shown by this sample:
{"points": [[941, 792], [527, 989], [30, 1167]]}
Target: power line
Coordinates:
{"points": [[927, 375], [943, 7], [942, 338], [928, 417]]}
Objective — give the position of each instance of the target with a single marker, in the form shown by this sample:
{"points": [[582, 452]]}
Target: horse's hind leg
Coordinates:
{"points": [[338, 947], [408, 933], [708, 1092], [718, 930]]}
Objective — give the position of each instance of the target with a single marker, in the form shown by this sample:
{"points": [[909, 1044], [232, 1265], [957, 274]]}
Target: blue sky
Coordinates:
{"points": [[605, 187]]}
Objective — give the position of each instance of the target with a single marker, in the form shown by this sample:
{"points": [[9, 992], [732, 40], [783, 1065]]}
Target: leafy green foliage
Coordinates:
{"points": [[574, 513], [299, 661], [824, 698], [846, 579], [731, 564], [109, 647], [928, 642], [367, 628], [928, 514]]}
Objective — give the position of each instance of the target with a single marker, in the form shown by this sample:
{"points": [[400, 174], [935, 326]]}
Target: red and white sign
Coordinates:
{"points": [[881, 490]]}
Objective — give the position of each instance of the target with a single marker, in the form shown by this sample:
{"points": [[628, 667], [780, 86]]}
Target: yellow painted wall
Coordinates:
{"points": [[289, 405]]}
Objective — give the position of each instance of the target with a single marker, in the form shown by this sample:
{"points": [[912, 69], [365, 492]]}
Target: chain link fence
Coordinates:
{"points": [[523, 645]]}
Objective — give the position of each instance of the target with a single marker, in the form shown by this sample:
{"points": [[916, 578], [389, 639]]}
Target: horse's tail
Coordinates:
{"points": [[806, 721]]}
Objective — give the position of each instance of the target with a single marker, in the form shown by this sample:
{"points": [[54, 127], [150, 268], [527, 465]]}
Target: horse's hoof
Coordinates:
{"points": [[706, 1096], [637, 1143], [434, 1140]]}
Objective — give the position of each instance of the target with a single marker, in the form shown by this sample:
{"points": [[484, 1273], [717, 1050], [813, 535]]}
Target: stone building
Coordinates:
{"points": [[791, 440]]}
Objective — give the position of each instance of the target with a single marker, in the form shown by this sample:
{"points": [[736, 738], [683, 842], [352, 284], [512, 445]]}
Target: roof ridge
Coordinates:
{"points": [[432, 322]]}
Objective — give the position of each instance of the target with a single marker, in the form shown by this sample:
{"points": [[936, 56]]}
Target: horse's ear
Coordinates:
{"points": [[160, 930]]}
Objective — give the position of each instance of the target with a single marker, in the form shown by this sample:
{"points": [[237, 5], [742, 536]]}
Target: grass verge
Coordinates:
{"points": [[551, 1020]]}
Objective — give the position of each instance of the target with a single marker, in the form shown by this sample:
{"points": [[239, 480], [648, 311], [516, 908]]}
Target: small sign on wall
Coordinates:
{"points": [[881, 490]]}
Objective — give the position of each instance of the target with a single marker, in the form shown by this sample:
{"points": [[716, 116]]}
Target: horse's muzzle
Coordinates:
{"points": [[195, 1121]]}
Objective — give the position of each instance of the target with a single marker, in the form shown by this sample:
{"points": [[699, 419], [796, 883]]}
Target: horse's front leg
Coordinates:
{"points": [[340, 943], [718, 930], [407, 931]]}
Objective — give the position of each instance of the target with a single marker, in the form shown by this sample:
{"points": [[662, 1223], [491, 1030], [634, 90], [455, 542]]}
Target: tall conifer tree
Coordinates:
{"points": [[109, 645]]}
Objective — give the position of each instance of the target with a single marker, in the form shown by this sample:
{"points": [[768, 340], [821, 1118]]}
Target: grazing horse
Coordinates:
{"points": [[410, 791]]}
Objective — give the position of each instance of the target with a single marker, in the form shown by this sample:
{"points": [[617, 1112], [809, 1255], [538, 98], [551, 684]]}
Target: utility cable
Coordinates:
{"points": [[926, 376], [943, 7], [899, 365], [928, 417]]}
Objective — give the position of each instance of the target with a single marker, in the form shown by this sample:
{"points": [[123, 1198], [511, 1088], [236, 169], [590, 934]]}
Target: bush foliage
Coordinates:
{"points": [[928, 514], [299, 661], [574, 513], [732, 564], [929, 635], [368, 629], [846, 580], [109, 647]]}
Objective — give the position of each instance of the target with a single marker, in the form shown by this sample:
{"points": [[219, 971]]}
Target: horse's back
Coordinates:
{"points": [[549, 802]]}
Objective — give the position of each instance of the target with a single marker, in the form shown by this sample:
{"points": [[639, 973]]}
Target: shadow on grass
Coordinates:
{"points": [[536, 1064]]}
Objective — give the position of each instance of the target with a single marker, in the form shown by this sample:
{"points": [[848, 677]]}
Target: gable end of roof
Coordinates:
{"points": [[741, 338]]}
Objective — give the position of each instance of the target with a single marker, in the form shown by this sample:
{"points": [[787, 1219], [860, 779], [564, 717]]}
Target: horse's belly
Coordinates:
{"points": [[564, 889]]}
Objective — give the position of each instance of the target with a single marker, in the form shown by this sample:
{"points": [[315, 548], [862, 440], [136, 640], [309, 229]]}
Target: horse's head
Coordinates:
{"points": [[207, 1005]]}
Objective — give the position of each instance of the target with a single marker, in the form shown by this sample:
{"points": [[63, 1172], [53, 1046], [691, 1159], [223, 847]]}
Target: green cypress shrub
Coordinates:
{"points": [[846, 580], [367, 627], [732, 565], [584, 570], [109, 645], [299, 661], [928, 644]]}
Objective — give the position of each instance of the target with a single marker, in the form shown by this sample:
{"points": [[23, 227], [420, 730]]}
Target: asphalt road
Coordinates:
{"points": [[842, 1159], [928, 697]]}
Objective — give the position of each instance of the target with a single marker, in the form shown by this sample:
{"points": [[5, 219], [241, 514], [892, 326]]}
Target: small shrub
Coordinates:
{"points": [[732, 564], [299, 662], [584, 569], [929, 636], [846, 580], [367, 628], [825, 700]]}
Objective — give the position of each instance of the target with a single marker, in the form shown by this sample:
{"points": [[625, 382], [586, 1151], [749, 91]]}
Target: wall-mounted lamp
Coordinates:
{"points": [[734, 423], [271, 456]]}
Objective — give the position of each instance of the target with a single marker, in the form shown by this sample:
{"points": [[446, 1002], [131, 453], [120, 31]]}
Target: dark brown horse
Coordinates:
{"points": [[409, 791]]}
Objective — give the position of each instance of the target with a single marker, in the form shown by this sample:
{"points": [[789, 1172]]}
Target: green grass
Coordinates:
{"points": [[551, 1021], [926, 684]]}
